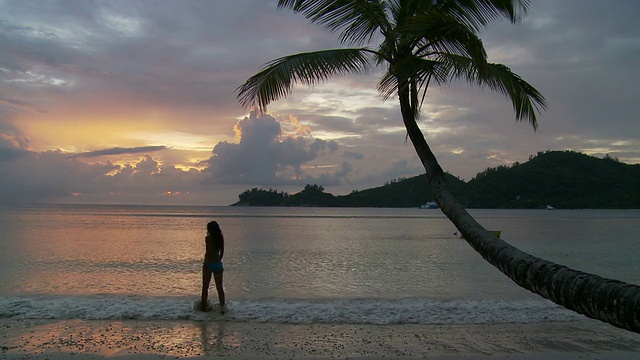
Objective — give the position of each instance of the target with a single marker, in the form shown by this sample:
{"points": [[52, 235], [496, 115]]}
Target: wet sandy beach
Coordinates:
{"points": [[135, 339]]}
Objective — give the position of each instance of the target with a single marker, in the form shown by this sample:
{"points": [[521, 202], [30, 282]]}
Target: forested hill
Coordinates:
{"points": [[563, 179]]}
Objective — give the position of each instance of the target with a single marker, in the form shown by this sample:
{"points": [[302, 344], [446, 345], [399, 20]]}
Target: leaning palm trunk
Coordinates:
{"points": [[611, 301]]}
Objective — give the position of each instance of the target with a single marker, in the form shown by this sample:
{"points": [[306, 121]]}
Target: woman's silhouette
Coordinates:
{"points": [[214, 242]]}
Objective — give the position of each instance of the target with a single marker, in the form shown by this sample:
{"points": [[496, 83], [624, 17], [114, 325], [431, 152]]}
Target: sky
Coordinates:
{"points": [[134, 101]]}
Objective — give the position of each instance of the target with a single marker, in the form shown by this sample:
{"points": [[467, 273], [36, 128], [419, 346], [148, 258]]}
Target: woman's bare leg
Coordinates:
{"points": [[217, 277], [206, 280]]}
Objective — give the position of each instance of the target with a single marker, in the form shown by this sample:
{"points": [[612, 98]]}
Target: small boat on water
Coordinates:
{"points": [[429, 205], [549, 207]]}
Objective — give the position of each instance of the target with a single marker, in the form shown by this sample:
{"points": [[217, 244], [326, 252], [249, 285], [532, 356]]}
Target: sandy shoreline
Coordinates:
{"points": [[135, 339]]}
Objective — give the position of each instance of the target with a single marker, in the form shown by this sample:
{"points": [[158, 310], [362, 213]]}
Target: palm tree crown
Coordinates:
{"points": [[420, 42]]}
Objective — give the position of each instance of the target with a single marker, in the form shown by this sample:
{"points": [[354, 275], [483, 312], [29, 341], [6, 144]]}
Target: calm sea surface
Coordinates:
{"points": [[294, 265]]}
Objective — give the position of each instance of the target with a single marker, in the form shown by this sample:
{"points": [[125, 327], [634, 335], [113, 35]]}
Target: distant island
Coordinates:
{"points": [[563, 179]]}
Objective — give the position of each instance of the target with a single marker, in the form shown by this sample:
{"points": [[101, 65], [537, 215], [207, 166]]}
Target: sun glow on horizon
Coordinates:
{"points": [[82, 134], [176, 140], [131, 130]]}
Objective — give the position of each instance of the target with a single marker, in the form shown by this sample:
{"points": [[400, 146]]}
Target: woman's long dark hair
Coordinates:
{"points": [[214, 231]]}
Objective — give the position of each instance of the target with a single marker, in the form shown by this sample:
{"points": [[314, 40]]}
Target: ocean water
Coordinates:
{"points": [[294, 265]]}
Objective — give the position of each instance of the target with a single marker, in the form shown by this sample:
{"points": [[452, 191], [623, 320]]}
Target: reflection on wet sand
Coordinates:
{"points": [[127, 340]]}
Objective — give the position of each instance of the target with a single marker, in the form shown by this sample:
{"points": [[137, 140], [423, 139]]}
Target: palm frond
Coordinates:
{"points": [[479, 13], [358, 20], [276, 78], [419, 69], [527, 101], [437, 32]]}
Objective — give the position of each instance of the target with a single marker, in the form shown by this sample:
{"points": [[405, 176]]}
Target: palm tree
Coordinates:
{"points": [[422, 42]]}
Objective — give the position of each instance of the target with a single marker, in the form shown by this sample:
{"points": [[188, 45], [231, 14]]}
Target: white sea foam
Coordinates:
{"points": [[339, 311]]}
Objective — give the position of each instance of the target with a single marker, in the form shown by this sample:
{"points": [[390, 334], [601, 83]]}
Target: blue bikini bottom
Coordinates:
{"points": [[214, 266]]}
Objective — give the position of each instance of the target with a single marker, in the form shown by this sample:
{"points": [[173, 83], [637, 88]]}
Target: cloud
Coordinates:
{"points": [[266, 154], [7, 154], [147, 165], [344, 171], [19, 105], [52, 176], [184, 54], [353, 155], [39, 177], [12, 146], [120, 151]]}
